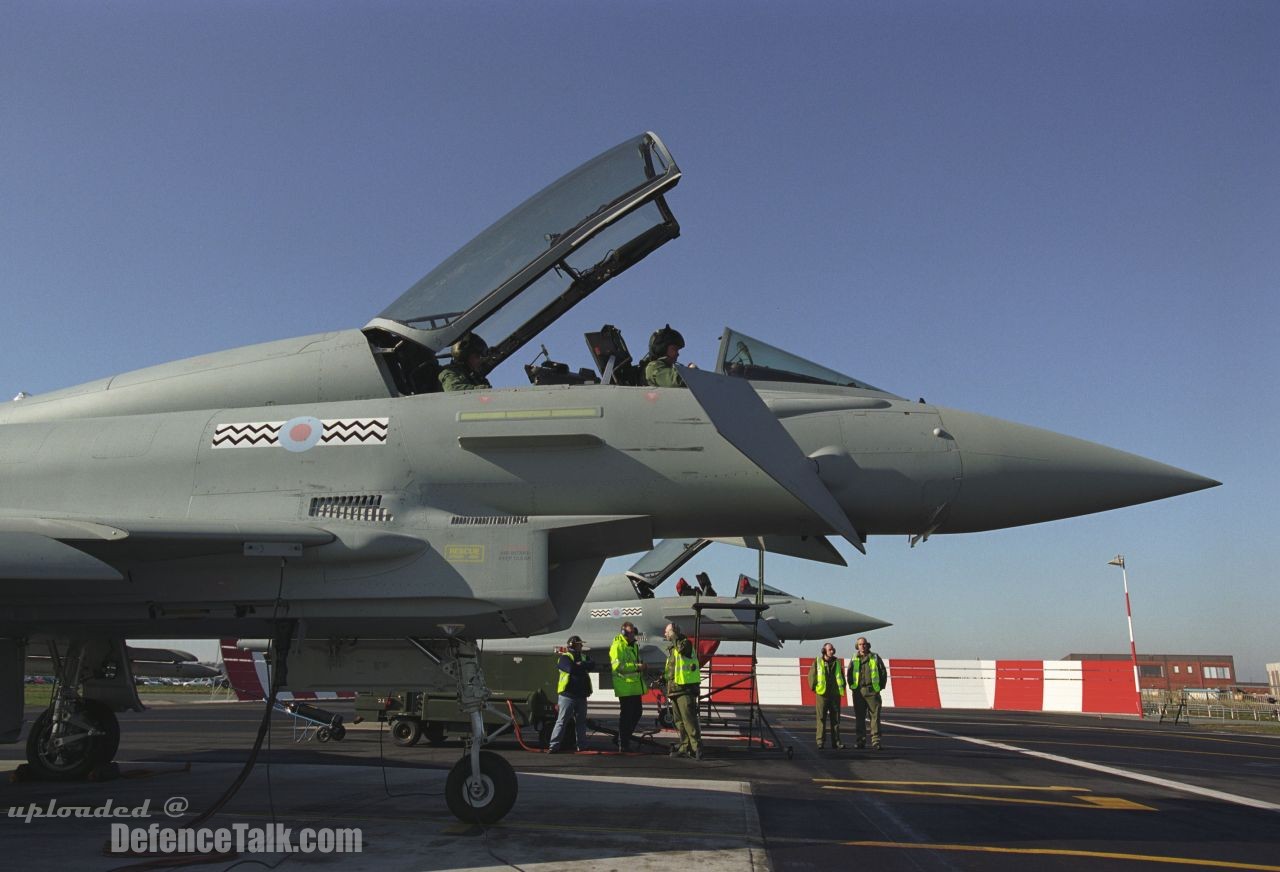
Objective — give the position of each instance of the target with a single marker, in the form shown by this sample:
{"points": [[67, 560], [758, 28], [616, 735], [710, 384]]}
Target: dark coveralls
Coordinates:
{"points": [[866, 684], [827, 675], [684, 698]]}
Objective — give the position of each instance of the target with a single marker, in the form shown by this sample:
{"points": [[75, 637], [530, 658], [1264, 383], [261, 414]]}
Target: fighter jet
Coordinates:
{"points": [[325, 491], [749, 611]]}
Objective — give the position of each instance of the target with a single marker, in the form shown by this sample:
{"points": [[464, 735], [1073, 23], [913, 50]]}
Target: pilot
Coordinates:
{"points": [[571, 694], [867, 677], [464, 373], [684, 680], [826, 680], [664, 350], [628, 682]]}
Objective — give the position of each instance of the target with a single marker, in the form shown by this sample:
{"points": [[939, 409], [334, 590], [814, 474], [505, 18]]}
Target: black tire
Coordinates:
{"points": [[406, 732], [666, 720], [497, 793], [339, 732], [102, 715], [434, 732], [75, 761], [323, 734]]}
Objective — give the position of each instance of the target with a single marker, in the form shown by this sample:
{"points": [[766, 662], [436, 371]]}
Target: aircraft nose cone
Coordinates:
{"points": [[1014, 474], [817, 621]]}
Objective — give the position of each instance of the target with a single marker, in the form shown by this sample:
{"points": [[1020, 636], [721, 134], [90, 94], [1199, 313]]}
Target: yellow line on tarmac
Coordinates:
{"points": [[1066, 852], [1111, 803], [949, 784]]}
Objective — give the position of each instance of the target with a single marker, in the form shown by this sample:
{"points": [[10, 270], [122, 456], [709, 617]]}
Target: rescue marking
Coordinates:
{"points": [[301, 433], [464, 553], [1107, 770]]}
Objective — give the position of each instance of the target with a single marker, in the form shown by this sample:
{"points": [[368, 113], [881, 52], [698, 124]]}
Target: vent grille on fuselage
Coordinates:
{"points": [[488, 520], [361, 507]]}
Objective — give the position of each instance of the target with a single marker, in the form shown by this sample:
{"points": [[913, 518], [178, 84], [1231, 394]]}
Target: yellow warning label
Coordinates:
{"points": [[464, 553]]}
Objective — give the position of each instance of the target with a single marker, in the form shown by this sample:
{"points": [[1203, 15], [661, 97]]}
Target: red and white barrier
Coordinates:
{"points": [[1097, 686]]}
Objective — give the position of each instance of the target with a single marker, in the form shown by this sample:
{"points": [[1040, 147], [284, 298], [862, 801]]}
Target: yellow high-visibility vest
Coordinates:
{"points": [[685, 670], [821, 688]]}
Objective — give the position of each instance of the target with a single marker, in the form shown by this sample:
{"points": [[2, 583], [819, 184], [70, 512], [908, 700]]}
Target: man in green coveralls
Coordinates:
{"points": [[826, 680], [684, 679], [867, 677]]}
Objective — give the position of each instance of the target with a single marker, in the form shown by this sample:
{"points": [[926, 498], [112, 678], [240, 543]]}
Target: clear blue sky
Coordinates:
{"points": [[1062, 214]]}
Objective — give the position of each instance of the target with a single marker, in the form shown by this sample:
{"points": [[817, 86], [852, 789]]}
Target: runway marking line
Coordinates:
{"points": [[1050, 852], [1058, 788], [1107, 770], [1109, 803], [1268, 759], [1244, 739], [1147, 748]]}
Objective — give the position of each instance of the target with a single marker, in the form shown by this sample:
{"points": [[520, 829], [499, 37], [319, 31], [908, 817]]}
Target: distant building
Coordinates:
{"points": [[1273, 678], [1178, 671]]}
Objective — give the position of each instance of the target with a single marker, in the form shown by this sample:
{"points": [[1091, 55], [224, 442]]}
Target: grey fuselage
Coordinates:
{"points": [[125, 504]]}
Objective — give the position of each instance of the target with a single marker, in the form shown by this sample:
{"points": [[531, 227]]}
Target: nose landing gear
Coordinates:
{"points": [[481, 787]]}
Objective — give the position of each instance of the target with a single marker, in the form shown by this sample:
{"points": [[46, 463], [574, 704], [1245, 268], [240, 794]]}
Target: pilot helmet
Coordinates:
{"points": [[466, 346], [660, 339]]}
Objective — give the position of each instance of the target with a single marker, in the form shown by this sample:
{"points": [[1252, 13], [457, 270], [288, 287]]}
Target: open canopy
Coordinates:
{"points": [[544, 256]]}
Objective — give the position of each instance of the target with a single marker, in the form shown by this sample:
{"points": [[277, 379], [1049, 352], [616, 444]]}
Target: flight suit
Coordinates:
{"points": [[684, 677], [457, 377], [661, 374]]}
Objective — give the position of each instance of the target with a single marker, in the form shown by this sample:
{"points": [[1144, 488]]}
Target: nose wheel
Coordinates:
{"points": [[485, 799], [88, 734]]}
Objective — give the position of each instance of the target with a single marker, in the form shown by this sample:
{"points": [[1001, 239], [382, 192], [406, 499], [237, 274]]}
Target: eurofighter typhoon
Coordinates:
{"points": [[325, 492]]}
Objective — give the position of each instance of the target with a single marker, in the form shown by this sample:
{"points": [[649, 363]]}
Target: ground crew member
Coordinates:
{"points": [[664, 350], [571, 694], [867, 677], [628, 682], [684, 680], [826, 680], [464, 373]]}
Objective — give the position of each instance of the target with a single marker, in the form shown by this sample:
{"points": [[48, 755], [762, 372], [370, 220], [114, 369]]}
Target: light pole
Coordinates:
{"points": [[1118, 560]]}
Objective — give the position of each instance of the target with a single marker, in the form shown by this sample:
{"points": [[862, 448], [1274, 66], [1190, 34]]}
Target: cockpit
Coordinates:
{"points": [[748, 586], [540, 260], [532, 265]]}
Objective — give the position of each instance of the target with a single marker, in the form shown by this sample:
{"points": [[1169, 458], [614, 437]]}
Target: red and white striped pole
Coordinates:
{"points": [[1118, 560]]}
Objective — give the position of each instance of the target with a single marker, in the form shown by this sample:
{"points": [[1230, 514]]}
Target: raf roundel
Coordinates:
{"points": [[301, 433]]}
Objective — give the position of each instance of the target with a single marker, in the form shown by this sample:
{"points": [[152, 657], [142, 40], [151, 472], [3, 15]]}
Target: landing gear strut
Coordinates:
{"points": [[74, 734], [481, 787]]}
